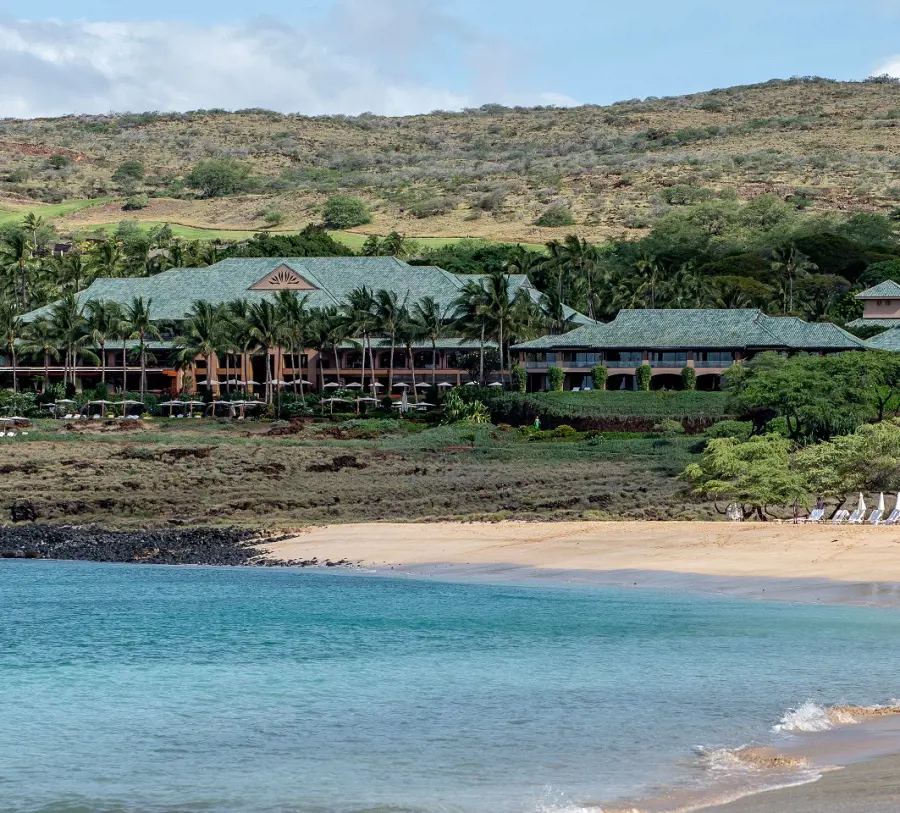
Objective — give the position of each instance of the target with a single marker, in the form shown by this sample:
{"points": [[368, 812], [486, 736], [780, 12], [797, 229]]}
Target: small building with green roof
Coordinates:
{"points": [[709, 341], [881, 306]]}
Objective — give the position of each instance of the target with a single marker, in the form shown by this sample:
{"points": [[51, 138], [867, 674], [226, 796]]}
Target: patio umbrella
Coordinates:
{"points": [[332, 385], [495, 384], [422, 385], [445, 385], [404, 401], [861, 505], [880, 505], [401, 386], [471, 384], [354, 386]]}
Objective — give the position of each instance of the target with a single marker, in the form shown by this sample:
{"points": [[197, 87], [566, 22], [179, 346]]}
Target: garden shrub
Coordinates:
{"points": [[518, 377], [644, 374], [557, 378], [135, 203], [740, 430], [689, 378], [598, 377], [345, 212]]}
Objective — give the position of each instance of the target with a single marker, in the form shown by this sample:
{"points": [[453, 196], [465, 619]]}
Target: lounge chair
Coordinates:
{"points": [[840, 517], [857, 517], [816, 515], [892, 519], [875, 517]]}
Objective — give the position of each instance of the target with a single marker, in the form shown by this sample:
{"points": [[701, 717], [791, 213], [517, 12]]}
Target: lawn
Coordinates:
{"points": [[211, 473], [50, 210]]}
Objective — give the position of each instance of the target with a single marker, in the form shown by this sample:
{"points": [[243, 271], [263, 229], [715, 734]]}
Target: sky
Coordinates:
{"points": [[411, 56]]}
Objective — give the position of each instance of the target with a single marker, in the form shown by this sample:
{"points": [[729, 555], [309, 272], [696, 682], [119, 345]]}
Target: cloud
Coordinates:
{"points": [[891, 67], [369, 55]]}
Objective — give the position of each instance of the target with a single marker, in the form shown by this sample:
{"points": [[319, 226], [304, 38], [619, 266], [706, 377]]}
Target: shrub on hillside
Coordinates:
{"points": [[741, 430], [345, 212], [555, 216], [689, 378], [136, 202], [219, 176], [598, 377], [129, 172]]}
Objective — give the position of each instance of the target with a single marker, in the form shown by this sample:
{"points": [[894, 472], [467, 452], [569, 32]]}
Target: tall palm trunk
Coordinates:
{"points": [[412, 367], [433, 362], [269, 390], [391, 367], [124, 368], [321, 371], [143, 368], [103, 363], [15, 372], [481, 356], [46, 370], [337, 361], [502, 357], [362, 375], [371, 363]]}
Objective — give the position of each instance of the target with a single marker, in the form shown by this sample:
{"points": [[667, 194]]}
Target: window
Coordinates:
{"points": [[716, 358], [669, 358]]}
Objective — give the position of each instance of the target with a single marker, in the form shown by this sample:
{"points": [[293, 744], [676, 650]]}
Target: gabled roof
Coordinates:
{"points": [[863, 322], [325, 281], [675, 329], [884, 290]]}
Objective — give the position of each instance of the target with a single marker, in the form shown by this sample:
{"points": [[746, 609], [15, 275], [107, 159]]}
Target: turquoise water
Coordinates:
{"points": [[142, 689]]}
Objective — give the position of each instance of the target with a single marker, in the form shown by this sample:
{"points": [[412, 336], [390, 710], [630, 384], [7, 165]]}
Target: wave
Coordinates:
{"points": [[749, 758], [812, 717]]}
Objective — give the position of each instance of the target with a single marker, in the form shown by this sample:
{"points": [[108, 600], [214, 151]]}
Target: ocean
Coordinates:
{"points": [[144, 689]]}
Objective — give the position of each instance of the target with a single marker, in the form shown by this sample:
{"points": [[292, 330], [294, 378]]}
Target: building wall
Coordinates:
{"points": [[881, 309]]}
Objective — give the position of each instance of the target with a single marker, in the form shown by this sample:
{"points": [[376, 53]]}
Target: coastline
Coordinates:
{"points": [[815, 563]]}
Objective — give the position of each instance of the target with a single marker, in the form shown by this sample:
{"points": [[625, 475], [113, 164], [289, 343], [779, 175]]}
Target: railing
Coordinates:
{"points": [[672, 363], [719, 364], [620, 364]]}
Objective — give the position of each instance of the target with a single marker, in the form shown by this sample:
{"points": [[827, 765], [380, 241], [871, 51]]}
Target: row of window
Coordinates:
{"points": [[674, 358]]}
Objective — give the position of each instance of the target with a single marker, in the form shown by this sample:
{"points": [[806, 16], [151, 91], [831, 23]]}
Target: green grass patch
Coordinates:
{"points": [[51, 210], [602, 403]]}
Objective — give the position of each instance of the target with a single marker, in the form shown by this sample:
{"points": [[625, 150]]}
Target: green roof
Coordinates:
{"points": [[173, 292], [442, 344], [884, 290], [889, 340], [675, 329], [863, 322]]}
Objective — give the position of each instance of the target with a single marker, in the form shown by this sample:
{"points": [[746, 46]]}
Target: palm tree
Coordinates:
{"points": [[407, 332], [237, 331], [395, 245], [470, 317], [793, 263], [265, 329], [430, 322], [41, 340], [295, 321], [11, 329], [137, 324], [202, 335], [359, 310], [389, 316], [648, 274], [72, 271], [16, 258], [502, 311], [71, 330], [107, 259], [104, 319], [33, 224]]}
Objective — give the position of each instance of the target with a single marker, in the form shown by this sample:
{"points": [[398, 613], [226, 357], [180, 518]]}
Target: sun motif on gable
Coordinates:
{"points": [[283, 278]]}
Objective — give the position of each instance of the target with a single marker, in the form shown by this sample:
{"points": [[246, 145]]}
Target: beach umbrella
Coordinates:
{"points": [[861, 505], [401, 386], [445, 385], [368, 400], [880, 505], [471, 384], [332, 385], [495, 384], [404, 401], [422, 385], [378, 384], [354, 386], [897, 503]]}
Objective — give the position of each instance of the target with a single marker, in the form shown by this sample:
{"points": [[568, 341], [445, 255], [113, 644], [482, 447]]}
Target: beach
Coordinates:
{"points": [[858, 564]]}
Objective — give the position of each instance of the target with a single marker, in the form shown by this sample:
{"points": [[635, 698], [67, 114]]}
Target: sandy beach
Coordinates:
{"points": [[815, 562]]}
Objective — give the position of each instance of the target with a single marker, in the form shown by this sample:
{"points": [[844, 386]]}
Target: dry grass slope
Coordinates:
{"points": [[491, 172]]}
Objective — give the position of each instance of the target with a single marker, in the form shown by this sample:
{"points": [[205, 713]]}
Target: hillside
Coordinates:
{"points": [[487, 173]]}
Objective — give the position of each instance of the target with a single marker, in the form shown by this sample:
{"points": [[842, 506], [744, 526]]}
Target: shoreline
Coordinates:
{"points": [[816, 563]]}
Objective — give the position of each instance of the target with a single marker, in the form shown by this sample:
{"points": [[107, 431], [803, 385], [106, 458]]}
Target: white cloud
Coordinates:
{"points": [[366, 56], [891, 68]]}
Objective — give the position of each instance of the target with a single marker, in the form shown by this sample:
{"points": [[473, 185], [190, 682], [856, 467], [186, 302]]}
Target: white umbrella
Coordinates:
{"points": [[368, 400], [404, 402], [378, 385], [897, 503], [401, 386], [446, 384], [333, 385], [249, 381], [495, 384], [422, 385], [880, 505], [861, 505], [305, 383], [354, 386], [471, 384]]}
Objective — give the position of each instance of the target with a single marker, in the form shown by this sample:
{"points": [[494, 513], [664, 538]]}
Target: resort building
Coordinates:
{"points": [[670, 340], [881, 306], [323, 282]]}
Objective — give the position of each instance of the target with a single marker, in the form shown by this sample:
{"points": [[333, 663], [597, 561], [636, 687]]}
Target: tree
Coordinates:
{"points": [[71, 330], [104, 320], [430, 322], [557, 378], [756, 473], [555, 216], [359, 311], [265, 329], [137, 324], [469, 314], [202, 335], [129, 173], [389, 315], [217, 177], [16, 259], [11, 329], [791, 262], [107, 259], [294, 318], [345, 212], [503, 312], [41, 340]]}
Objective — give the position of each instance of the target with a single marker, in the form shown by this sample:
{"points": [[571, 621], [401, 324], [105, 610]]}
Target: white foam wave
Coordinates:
{"points": [[810, 717]]}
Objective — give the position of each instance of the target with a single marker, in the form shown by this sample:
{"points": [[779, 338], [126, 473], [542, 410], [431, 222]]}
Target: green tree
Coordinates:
{"points": [[129, 173], [16, 259], [790, 262], [390, 313], [71, 330], [104, 320], [362, 319], [41, 340], [294, 318], [756, 473], [557, 378], [689, 378], [430, 323], [11, 330], [137, 323], [598, 377], [345, 212], [266, 330], [644, 375], [217, 177], [202, 335]]}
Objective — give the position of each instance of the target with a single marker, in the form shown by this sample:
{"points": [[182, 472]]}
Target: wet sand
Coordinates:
{"points": [[869, 787], [756, 560]]}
